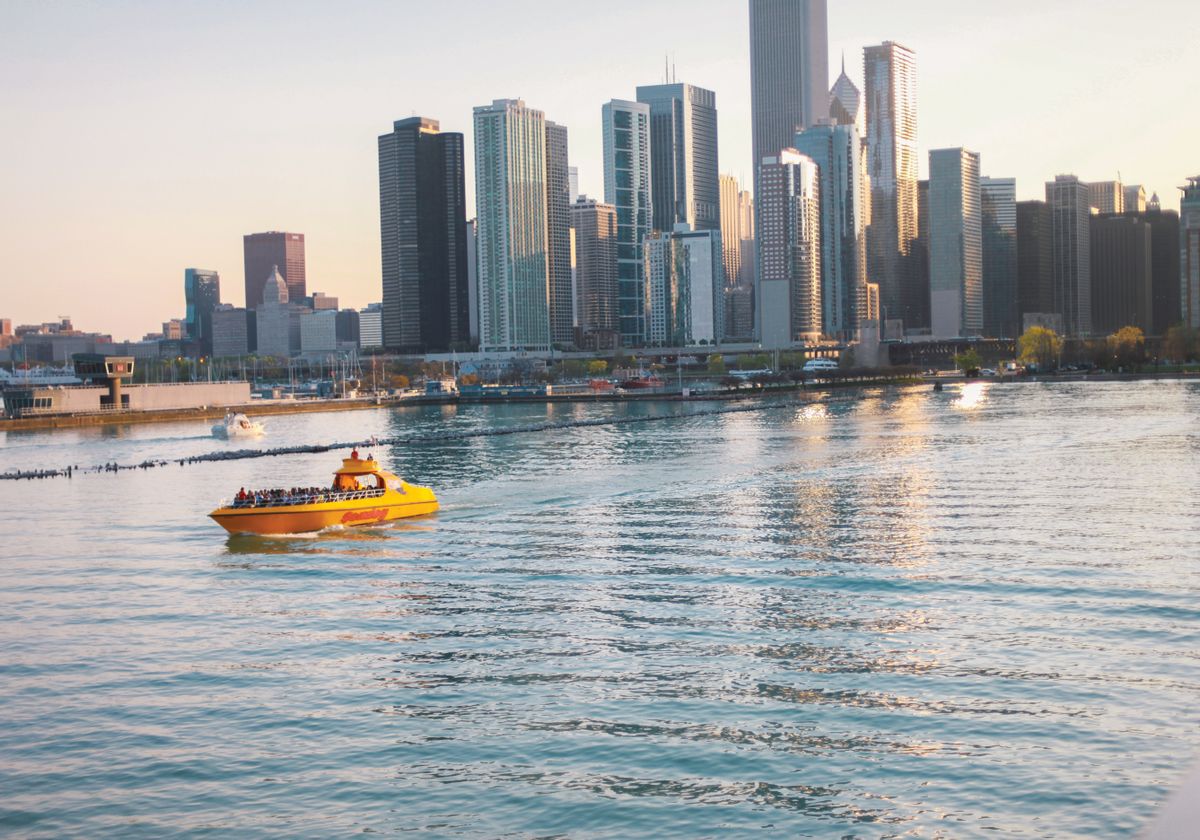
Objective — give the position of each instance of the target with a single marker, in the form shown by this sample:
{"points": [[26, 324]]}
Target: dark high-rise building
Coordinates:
{"points": [[1164, 259], [202, 293], [892, 163], [558, 235], [265, 251], [998, 198], [346, 327], [1122, 293], [789, 71], [685, 182], [595, 226], [1035, 260], [422, 220]]}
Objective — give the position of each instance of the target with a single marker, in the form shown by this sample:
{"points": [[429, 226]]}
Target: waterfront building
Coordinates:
{"points": [[955, 244], [202, 294], [737, 239], [318, 332], [1189, 253], [370, 326], [1122, 271], [1135, 198], [1107, 197], [789, 250], [232, 331], [627, 188], [789, 71], [731, 228], [685, 288], [558, 236], [472, 235], [683, 148], [510, 197], [1070, 213], [277, 319], [423, 246], [846, 103], [263, 254], [595, 227], [998, 202], [838, 151], [1035, 261], [1164, 267], [892, 163]]}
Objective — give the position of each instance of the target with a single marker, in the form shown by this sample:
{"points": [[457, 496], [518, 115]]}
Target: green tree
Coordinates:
{"points": [[1039, 346], [846, 360], [597, 367], [716, 364], [573, 368], [757, 361], [1128, 346], [969, 362]]}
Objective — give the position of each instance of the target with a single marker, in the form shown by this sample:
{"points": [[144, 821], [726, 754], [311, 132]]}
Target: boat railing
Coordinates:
{"points": [[295, 500]]}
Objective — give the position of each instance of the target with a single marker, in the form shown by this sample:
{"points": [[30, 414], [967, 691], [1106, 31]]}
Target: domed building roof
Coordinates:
{"points": [[275, 291]]}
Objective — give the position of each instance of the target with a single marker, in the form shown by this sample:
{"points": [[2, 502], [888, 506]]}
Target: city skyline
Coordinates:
{"points": [[187, 156]]}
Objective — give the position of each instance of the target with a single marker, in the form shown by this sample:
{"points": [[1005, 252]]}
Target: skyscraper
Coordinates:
{"points": [[841, 157], [685, 281], [789, 249], [1122, 272], [1135, 198], [1107, 196], [277, 319], [202, 294], [955, 244], [422, 218], [558, 232], [890, 75], [263, 253], [1070, 213], [595, 226], [731, 229], [627, 188], [998, 199], [789, 71], [1164, 258], [1035, 261], [846, 102], [510, 198], [683, 147], [1189, 253]]}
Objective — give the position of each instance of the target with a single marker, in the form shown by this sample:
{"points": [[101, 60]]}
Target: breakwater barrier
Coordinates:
{"points": [[404, 440]]}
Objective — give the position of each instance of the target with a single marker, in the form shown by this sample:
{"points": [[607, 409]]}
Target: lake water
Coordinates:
{"points": [[896, 613]]}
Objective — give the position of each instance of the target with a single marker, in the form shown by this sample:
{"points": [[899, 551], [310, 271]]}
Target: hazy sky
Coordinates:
{"points": [[140, 138]]}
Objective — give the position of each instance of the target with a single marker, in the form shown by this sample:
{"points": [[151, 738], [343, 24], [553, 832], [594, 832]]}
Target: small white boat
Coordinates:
{"points": [[238, 426]]}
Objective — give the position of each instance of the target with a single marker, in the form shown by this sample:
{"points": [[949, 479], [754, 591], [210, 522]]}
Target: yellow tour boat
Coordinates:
{"points": [[362, 494]]}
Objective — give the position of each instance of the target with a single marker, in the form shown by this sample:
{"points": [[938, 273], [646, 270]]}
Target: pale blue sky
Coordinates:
{"points": [[139, 138]]}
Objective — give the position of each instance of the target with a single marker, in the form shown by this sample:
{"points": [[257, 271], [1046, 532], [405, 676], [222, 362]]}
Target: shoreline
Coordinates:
{"points": [[318, 406]]}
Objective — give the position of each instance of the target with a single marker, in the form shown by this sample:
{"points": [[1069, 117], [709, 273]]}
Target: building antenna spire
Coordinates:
{"points": [[666, 68], [843, 62]]}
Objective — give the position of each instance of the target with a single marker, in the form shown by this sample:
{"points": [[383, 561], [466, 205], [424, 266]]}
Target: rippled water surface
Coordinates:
{"points": [[889, 614]]}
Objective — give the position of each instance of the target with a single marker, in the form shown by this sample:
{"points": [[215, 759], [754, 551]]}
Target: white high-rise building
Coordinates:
{"points": [[846, 103], [1107, 197], [892, 160], [685, 288], [789, 249], [1070, 216], [627, 188], [955, 244], [510, 200]]}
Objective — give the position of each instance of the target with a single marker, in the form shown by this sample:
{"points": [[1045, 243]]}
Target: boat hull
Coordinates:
{"points": [[305, 519]]}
